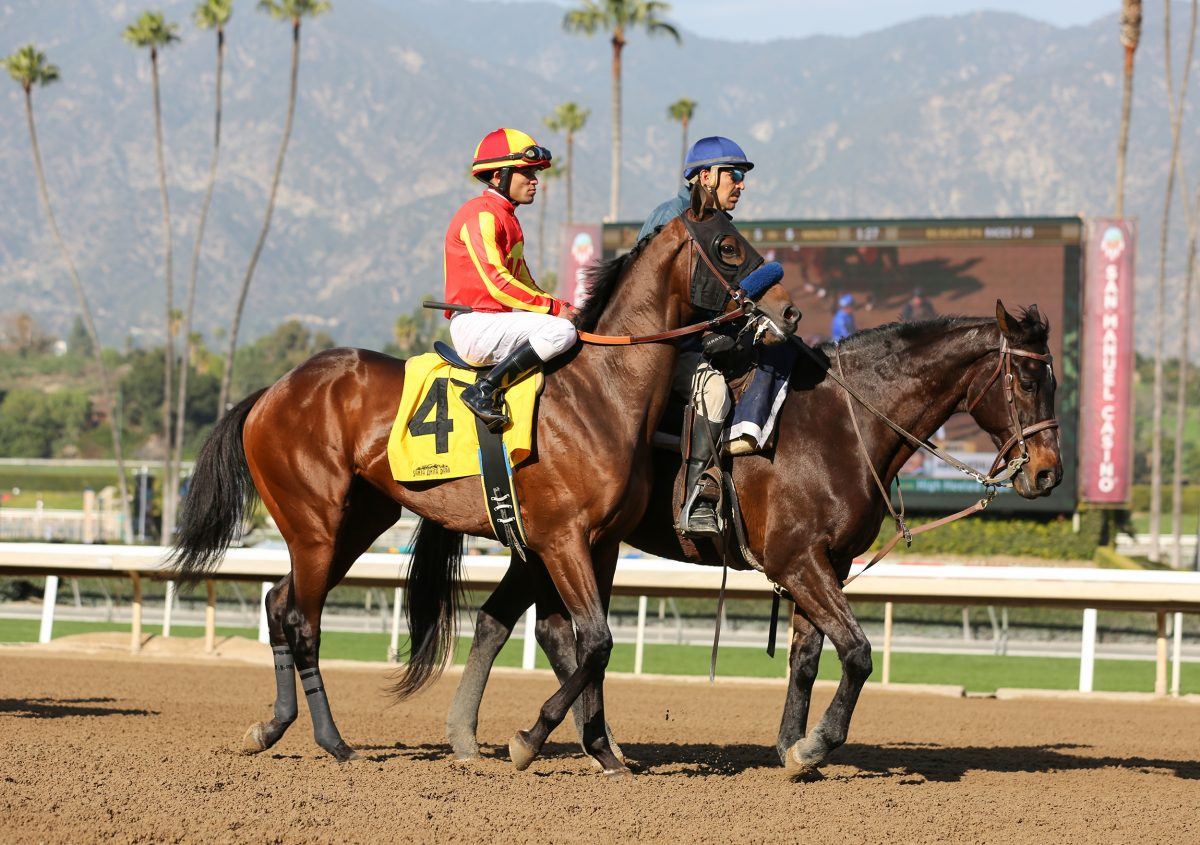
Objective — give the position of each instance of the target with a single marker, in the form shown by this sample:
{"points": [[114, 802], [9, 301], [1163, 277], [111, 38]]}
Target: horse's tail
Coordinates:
{"points": [[220, 496], [431, 606]]}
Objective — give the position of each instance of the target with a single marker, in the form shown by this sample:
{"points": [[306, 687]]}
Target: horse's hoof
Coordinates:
{"points": [[343, 753], [802, 764], [255, 740], [520, 751], [464, 755], [622, 773]]}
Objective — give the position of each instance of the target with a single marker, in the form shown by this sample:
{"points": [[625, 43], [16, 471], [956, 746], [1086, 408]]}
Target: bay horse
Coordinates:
{"points": [[812, 506], [313, 447]]}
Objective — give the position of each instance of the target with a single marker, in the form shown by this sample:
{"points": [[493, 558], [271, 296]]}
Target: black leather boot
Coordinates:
{"points": [[699, 515], [485, 398]]}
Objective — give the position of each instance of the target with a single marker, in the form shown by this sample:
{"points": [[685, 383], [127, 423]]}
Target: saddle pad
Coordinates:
{"points": [[434, 437]]}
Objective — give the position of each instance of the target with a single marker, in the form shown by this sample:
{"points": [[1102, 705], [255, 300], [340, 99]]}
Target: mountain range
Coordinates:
{"points": [[981, 114]]}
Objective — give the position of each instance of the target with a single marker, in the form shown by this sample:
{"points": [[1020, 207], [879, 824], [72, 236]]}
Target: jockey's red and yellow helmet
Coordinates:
{"points": [[508, 148]]}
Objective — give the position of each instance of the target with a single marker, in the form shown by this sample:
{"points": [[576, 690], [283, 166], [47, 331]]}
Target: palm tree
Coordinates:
{"points": [[618, 17], [152, 32], [29, 68], [1176, 109], [682, 110], [568, 118], [209, 14], [1131, 34], [294, 11]]}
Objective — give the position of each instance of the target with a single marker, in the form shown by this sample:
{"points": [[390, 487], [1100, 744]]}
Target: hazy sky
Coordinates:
{"points": [[758, 20]]}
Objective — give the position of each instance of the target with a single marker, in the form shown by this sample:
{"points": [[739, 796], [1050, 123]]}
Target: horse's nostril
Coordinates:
{"points": [[792, 314], [1045, 479]]}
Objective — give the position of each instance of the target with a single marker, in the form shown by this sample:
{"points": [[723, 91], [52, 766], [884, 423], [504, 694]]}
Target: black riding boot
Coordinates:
{"points": [[485, 398], [699, 515]]}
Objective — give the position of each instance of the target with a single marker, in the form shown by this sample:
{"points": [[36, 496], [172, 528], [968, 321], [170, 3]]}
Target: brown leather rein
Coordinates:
{"points": [[743, 306]]}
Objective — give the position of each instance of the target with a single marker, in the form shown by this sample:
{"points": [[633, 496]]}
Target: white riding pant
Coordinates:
{"points": [[482, 337], [698, 380]]}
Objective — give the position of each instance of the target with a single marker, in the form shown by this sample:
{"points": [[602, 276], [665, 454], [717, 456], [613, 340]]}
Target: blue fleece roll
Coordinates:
{"points": [[756, 284]]}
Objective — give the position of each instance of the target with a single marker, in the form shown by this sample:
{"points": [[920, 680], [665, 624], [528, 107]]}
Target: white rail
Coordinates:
{"points": [[1160, 593]]}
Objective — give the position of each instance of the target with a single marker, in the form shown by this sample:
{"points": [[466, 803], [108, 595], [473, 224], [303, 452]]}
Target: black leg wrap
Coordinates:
{"points": [[324, 730], [285, 685]]}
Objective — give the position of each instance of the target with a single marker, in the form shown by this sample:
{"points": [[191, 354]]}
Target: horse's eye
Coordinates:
{"points": [[1028, 385], [727, 249]]}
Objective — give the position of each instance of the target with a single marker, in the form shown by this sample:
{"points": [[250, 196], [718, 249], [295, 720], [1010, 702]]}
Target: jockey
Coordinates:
{"points": [[513, 323], [715, 167]]}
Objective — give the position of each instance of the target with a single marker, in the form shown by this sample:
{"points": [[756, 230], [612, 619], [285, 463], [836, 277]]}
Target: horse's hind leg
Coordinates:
{"points": [[263, 735], [325, 536], [804, 656], [819, 595]]}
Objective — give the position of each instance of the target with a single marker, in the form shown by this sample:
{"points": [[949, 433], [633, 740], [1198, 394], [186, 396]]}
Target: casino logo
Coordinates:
{"points": [[582, 248], [1113, 243]]}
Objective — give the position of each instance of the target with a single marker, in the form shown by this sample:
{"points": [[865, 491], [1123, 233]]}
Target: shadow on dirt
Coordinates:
{"points": [[59, 708], [910, 762]]}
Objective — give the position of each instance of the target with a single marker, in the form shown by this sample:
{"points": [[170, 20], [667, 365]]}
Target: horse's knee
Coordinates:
{"points": [[595, 649], [856, 662]]}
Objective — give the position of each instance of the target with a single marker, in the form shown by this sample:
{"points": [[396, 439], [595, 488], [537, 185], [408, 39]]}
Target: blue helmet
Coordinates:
{"points": [[714, 151]]}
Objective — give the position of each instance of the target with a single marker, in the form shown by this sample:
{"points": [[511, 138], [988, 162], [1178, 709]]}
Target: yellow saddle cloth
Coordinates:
{"points": [[434, 435]]}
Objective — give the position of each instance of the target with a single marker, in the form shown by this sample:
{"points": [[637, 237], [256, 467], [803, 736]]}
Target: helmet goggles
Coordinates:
{"points": [[532, 156]]}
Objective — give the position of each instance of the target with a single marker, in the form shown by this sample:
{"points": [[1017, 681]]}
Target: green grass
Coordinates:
{"points": [[978, 673], [56, 499]]}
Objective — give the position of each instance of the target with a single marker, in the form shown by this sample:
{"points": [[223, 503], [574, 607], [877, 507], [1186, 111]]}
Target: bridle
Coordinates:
{"points": [[1005, 367], [990, 482]]}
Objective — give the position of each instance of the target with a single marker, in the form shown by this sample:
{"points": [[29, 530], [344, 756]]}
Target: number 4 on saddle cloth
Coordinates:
{"points": [[435, 437]]}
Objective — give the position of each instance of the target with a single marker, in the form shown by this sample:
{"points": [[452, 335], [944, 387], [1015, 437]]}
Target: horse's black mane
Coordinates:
{"points": [[1033, 325], [602, 278]]}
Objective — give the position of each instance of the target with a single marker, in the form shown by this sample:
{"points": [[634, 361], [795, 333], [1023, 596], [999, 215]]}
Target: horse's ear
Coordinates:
{"points": [[1009, 327], [1033, 314], [697, 200]]}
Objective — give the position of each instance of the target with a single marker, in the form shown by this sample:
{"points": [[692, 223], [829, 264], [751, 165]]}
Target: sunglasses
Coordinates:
{"points": [[736, 174], [530, 155]]}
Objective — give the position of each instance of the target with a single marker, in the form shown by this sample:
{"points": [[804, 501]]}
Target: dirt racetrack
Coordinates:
{"points": [[143, 750]]}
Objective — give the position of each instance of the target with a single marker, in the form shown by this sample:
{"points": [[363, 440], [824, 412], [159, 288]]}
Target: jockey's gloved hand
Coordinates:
{"points": [[716, 343]]}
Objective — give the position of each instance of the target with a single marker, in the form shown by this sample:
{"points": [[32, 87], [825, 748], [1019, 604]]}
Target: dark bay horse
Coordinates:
{"points": [[313, 447], [813, 506]]}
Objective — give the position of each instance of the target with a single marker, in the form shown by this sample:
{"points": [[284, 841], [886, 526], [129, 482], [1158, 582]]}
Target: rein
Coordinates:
{"points": [[744, 306], [991, 482]]}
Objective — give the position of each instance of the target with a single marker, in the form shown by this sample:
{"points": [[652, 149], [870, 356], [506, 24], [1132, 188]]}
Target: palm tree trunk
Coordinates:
{"points": [[106, 388], [168, 490], [1176, 108], [227, 376], [1123, 138], [614, 192], [570, 184], [186, 352], [683, 152], [1181, 405], [1184, 336]]}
